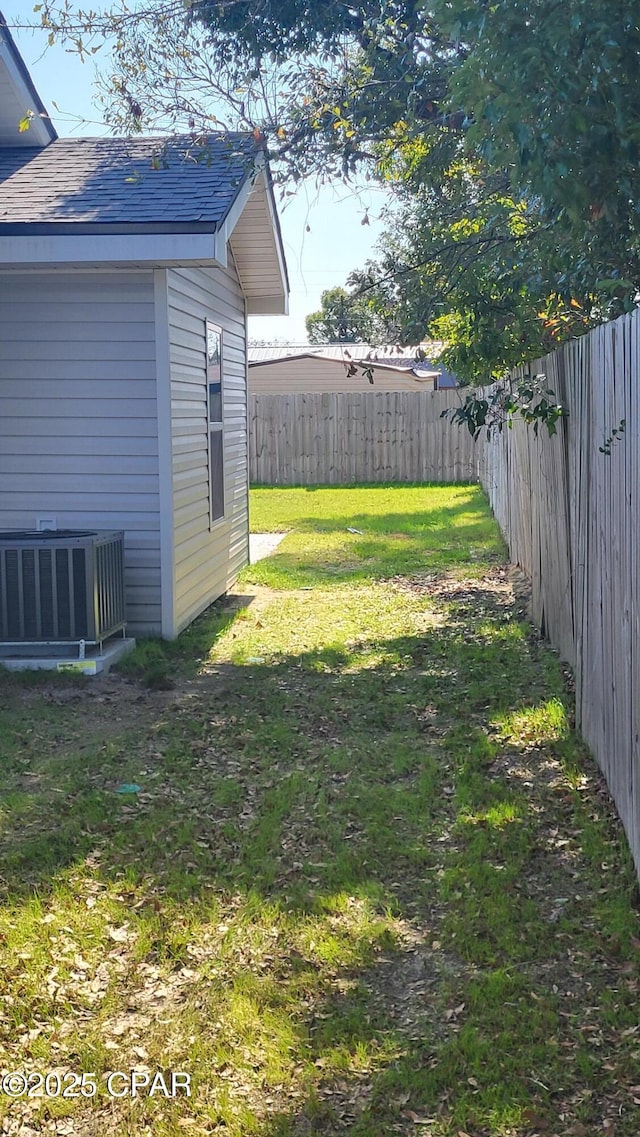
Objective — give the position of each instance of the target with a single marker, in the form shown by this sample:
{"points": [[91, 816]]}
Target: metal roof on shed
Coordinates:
{"points": [[393, 356]]}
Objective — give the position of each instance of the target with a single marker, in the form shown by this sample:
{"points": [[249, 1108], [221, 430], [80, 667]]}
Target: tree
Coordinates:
{"points": [[508, 132], [346, 318], [479, 269]]}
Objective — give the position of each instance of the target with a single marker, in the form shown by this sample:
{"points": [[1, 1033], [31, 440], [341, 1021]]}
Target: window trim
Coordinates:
{"points": [[215, 426]]}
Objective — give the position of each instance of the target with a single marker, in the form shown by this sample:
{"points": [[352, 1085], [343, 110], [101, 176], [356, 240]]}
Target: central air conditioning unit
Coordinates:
{"points": [[61, 586]]}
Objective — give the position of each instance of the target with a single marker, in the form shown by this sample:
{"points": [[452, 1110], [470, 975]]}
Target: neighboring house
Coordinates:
{"points": [[124, 295], [326, 367]]}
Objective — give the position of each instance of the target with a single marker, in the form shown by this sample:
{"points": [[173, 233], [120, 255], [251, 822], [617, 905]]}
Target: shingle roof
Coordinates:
{"points": [[118, 181]]}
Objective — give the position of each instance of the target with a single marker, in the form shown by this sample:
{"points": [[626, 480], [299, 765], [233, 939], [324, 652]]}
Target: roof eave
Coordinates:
{"points": [[103, 228], [262, 299], [42, 129], [51, 251]]}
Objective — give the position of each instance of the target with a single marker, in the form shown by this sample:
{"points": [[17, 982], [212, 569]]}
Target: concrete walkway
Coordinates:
{"points": [[263, 544]]}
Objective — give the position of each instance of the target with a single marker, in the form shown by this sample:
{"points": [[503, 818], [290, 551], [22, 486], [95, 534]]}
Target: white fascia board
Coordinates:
{"points": [[38, 134], [231, 220], [156, 250], [277, 240], [260, 184]]}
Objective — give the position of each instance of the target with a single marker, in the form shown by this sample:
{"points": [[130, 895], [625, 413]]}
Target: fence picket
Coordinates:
{"points": [[358, 436]]}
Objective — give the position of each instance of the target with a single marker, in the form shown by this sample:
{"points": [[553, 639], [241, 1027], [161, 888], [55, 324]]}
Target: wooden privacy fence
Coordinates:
{"points": [[570, 515], [364, 436]]}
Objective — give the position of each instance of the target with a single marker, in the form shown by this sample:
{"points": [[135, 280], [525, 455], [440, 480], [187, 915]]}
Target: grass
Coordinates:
{"points": [[371, 882], [357, 536]]}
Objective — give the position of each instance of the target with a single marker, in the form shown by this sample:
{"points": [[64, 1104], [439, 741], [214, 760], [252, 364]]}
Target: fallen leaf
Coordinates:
{"points": [[534, 1120], [119, 935]]}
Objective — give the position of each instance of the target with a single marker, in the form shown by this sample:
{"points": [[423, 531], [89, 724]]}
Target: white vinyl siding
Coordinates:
{"points": [[78, 415], [206, 559]]}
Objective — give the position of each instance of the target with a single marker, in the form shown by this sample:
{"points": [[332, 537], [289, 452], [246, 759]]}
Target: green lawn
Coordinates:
{"points": [[369, 882], [398, 530]]}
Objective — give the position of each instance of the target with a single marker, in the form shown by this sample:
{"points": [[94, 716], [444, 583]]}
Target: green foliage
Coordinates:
{"points": [[475, 267], [614, 437], [527, 398], [553, 96], [345, 318]]}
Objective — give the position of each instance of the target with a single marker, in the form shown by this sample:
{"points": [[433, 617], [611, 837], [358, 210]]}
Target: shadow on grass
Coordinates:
{"points": [[156, 661], [323, 550], [295, 787], [243, 735], [421, 523]]}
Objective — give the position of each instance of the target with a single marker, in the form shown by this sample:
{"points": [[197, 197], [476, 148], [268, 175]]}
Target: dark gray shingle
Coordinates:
{"points": [[119, 181]]}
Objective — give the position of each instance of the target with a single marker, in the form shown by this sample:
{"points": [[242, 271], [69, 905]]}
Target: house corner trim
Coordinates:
{"points": [[165, 450]]}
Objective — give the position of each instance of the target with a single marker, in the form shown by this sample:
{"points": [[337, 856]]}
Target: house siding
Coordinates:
{"points": [[206, 561], [78, 416], [306, 375]]}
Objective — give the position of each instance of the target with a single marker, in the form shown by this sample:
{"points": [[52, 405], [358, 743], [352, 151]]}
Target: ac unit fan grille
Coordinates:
{"points": [[74, 591]]}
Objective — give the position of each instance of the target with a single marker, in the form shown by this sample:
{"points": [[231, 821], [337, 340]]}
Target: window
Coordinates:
{"points": [[215, 419]]}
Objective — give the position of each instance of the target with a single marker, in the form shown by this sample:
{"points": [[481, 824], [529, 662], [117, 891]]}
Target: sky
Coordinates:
{"points": [[322, 228]]}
